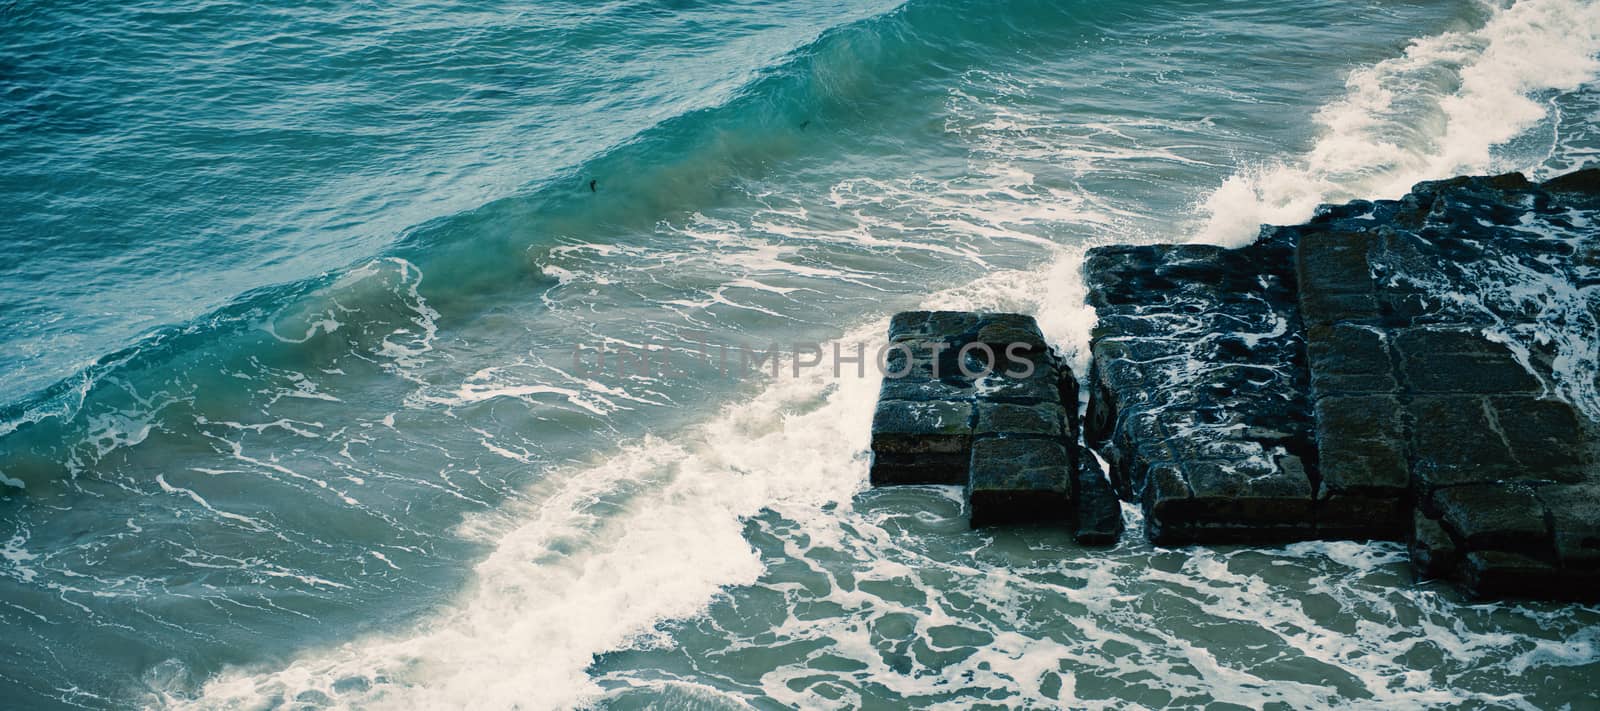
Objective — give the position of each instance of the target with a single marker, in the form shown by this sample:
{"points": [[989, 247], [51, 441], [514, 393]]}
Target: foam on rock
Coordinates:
{"points": [[1423, 368], [1198, 390]]}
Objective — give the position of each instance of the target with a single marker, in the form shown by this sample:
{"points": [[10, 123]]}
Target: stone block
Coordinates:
{"points": [[924, 389], [1497, 516], [1328, 307], [1003, 331], [1334, 262], [1575, 519], [930, 435], [1450, 360], [1223, 502], [1019, 479], [1040, 386], [1455, 442], [1008, 419], [944, 468], [1361, 446], [1362, 517], [1348, 358], [931, 325], [1548, 437], [1500, 574]]}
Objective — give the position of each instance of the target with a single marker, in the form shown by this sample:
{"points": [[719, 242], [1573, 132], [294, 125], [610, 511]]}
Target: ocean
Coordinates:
{"points": [[302, 313]]}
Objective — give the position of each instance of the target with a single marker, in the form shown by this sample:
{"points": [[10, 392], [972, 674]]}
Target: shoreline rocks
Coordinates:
{"points": [[1407, 361], [1424, 369], [980, 400]]}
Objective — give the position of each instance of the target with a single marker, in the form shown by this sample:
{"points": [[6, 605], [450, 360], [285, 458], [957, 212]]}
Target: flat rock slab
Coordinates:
{"points": [[979, 400], [1198, 389], [1421, 368], [1451, 345]]}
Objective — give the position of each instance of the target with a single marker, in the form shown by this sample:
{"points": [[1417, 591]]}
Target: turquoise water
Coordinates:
{"points": [[289, 413]]}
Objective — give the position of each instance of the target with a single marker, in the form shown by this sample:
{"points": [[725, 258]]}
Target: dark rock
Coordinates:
{"points": [[1018, 479], [1499, 574], [1433, 553], [1039, 386], [1040, 420], [1453, 360], [1546, 436], [1579, 181], [1099, 511], [977, 399], [1198, 389], [1499, 516], [921, 442], [1575, 518], [1365, 475], [1455, 442], [1418, 368], [1349, 358], [947, 326]]}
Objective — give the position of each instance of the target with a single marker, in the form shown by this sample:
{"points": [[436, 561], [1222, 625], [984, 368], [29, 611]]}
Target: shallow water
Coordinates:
{"points": [[290, 413]]}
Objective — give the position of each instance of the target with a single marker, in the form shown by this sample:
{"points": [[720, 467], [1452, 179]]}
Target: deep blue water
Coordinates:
{"points": [[289, 414]]}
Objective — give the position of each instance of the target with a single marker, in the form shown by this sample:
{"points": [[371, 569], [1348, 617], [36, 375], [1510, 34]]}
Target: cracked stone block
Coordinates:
{"points": [[1393, 368], [1019, 480], [1456, 442], [1449, 360], [978, 399], [1548, 437], [1001, 418], [1348, 358], [1198, 389], [921, 442], [1498, 516], [1361, 445]]}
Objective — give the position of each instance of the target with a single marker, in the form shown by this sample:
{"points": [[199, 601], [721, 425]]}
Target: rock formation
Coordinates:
{"points": [[979, 400], [1423, 368]]}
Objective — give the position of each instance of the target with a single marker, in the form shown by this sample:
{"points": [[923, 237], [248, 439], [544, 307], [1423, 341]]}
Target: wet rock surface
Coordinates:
{"points": [[1423, 368], [979, 400], [1198, 390]]}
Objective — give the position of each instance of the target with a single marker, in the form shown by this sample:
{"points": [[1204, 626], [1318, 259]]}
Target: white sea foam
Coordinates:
{"points": [[1438, 110], [600, 554]]}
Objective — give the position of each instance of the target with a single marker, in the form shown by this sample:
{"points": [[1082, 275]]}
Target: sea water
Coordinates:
{"points": [[300, 403]]}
